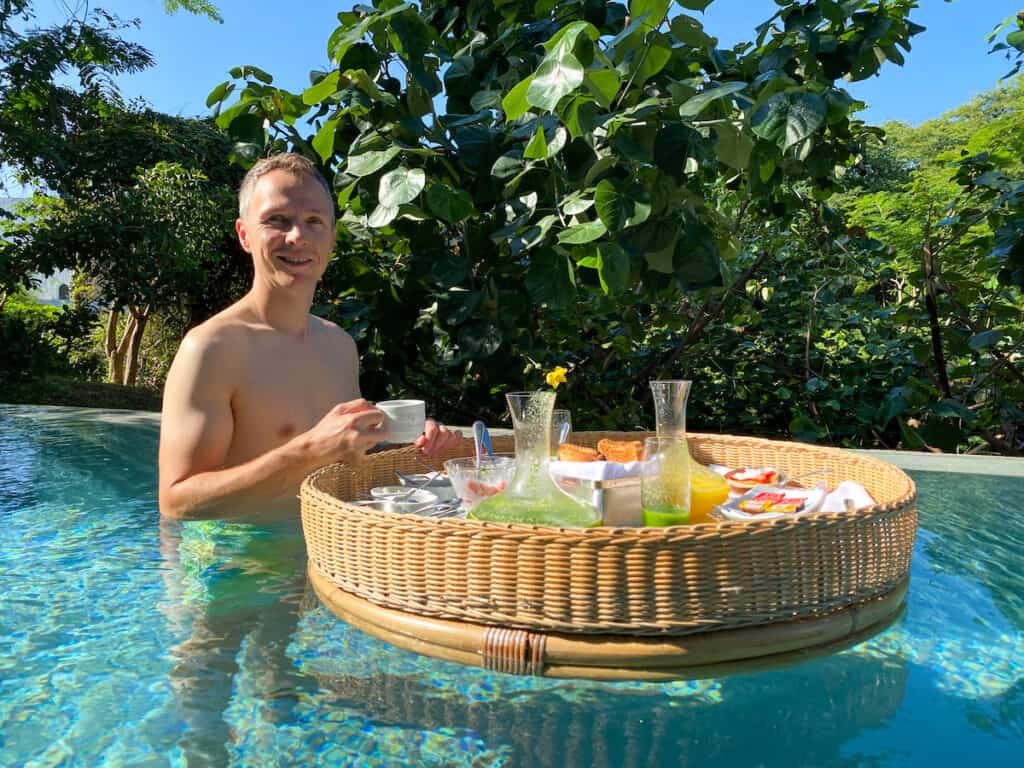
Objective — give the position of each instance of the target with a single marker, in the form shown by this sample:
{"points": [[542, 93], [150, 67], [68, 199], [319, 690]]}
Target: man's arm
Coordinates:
{"points": [[196, 431]]}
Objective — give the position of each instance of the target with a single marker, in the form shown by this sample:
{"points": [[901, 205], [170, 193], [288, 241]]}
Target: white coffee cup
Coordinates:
{"points": [[404, 419]]}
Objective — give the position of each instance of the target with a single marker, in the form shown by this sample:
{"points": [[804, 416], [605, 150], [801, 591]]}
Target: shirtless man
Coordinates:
{"points": [[264, 393]]}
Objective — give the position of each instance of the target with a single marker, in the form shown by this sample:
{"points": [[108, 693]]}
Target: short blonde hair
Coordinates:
{"points": [[287, 161]]}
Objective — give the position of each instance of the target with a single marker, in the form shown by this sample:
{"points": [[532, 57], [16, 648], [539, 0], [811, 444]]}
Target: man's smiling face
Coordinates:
{"points": [[288, 228]]}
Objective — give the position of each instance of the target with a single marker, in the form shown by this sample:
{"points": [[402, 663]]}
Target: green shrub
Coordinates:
{"points": [[38, 340]]}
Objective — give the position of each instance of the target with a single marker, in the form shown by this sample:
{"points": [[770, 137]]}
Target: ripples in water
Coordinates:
{"points": [[131, 643]]}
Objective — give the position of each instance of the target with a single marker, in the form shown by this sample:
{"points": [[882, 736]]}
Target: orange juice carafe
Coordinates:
{"points": [[707, 489]]}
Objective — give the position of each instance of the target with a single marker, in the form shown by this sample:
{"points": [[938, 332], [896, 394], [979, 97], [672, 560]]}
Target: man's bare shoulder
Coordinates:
{"points": [[332, 333], [227, 330]]}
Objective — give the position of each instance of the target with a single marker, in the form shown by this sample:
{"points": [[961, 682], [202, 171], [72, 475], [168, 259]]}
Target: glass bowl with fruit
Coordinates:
{"points": [[474, 482]]}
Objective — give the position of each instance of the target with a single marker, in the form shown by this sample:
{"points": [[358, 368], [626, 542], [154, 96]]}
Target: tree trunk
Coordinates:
{"points": [[928, 264], [115, 365], [141, 317]]}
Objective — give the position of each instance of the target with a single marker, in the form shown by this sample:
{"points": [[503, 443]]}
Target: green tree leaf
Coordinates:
{"points": [[549, 279], [619, 208], [508, 166], [732, 146], [568, 35], [480, 338], [652, 11], [612, 268], [789, 118], [698, 103], [657, 55], [515, 104], [603, 84], [220, 93], [947, 407], [985, 339], [575, 203], [893, 405], [419, 100], [323, 142], [368, 163], [833, 11], [689, 31], [694, 5], [247, 128], [450, 204], [366, 84], [382, 216], [537, 149], [451, 267], [554, 79], [941, 434], [400, 186], [326, 87], [582, 233], [911, 440]]}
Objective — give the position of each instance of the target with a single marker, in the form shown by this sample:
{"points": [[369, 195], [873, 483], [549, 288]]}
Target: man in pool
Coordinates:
{"points": [[257, 397], [264, 392]]}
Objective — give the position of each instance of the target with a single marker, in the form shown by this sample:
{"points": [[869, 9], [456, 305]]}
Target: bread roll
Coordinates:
{"points": [[623, 451], [572, 452]]}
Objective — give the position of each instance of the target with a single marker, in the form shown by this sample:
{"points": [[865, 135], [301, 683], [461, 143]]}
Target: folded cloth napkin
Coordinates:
{"points": [[836, 501], [596, 470]]}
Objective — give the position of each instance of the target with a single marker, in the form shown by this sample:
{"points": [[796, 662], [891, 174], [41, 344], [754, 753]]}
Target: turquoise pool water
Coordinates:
{"points": [[124, 643]]}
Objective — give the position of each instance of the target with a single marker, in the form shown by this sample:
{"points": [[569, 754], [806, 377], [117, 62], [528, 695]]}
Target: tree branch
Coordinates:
{"points": [[709, 312]]}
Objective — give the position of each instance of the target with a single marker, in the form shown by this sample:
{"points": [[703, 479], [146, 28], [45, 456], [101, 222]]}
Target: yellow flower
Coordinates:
{"points": [[556, 377]]}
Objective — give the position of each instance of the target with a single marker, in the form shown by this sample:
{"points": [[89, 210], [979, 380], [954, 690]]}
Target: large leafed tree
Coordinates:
{"points": [[500, 163]]}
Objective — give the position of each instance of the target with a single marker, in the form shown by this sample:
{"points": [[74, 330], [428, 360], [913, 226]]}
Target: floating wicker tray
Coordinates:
{"points": [[508, 586]]}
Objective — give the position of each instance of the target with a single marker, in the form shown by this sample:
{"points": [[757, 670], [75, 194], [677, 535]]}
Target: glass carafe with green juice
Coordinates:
{"points": [[532, 496], [665, 480]]}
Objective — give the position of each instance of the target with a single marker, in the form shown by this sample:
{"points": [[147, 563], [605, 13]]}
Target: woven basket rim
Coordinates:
{"points": [[907, 496], [617, 580]]}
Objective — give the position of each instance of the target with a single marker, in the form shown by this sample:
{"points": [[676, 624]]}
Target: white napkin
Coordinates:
{"points": [[836, 501], [596, 470]]}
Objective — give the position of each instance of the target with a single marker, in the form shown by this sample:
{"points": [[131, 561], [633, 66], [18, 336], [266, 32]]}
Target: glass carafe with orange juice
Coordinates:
{"points": [[707, 490]]}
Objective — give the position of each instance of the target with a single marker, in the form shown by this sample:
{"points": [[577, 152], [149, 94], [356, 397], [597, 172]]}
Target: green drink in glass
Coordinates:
{"points": [[532, 496], [665, 482]]}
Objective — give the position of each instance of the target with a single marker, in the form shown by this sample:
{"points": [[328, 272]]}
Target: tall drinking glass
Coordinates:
{"points": [[670, 396], [561, 422], [665, 482]]}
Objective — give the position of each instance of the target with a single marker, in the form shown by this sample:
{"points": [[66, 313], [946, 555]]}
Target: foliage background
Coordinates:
{"points": [[598, 185]]}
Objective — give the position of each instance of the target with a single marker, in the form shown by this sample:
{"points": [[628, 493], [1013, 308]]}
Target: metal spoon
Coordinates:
{"points": [[412, 489], [479, 429], [441, 509]]}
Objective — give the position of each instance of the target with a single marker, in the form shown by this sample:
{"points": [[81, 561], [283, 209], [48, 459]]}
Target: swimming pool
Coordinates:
{"points": [[125, 642]]}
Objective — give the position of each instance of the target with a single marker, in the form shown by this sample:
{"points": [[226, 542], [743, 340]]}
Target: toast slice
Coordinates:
{"points": [[623, 451], [573, 452]]}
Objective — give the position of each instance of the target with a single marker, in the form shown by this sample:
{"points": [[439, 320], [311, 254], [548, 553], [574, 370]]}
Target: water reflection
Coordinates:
{"points": [[763, 719]]}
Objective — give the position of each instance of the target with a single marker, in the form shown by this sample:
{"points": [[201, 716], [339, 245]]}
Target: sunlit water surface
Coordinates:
{"points": [[127, 644]]}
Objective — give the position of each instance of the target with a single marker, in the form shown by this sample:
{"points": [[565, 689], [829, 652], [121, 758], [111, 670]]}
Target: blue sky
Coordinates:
{"points": [[948, 65]]}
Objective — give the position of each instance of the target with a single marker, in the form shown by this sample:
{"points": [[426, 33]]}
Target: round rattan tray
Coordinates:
{"points": [[615, 602]]}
